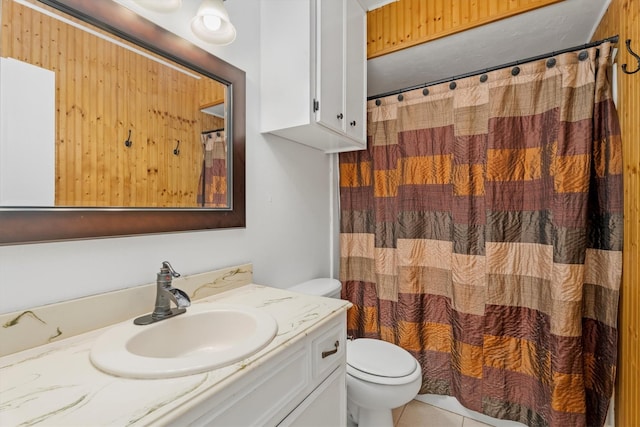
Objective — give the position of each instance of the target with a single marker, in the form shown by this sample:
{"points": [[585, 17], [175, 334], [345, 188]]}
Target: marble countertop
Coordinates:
{"points": [[56, 384]]}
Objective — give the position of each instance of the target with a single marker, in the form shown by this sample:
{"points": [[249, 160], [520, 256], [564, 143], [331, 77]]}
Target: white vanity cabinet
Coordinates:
{"points": [[303, 385], [313, 72]]}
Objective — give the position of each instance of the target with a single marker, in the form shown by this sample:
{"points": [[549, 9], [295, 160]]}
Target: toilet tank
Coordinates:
{"points": [[323, 287]]}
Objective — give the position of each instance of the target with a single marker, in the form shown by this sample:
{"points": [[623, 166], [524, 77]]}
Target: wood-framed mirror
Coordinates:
{"points": [[40, 224]]}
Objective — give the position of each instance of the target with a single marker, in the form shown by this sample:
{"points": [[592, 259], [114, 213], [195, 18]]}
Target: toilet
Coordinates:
{"points": [[380, 375]]}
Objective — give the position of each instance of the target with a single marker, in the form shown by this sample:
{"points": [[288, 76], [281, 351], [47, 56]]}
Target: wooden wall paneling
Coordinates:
{"points": [[88, 140], [418, 29], [114, 131], [180, 124], [137, 151], [140, 122], [378, 26], [74, 91], [193, 144], [142, 128], [177, 129], [80, 106], [81, 109], [64, 153], [441, 23], [127, 173], [180, 131], [97, 77], [172, 130], [623, 18], [395, 24], [211, 92], [165, 182], [184, 133], [406, 23], [166, 142], [165, 84], [455, 14], [195, 151], [153, 123], [192, 163]]}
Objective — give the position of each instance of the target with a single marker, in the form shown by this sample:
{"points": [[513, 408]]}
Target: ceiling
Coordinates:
{"points": [[562, 25]]}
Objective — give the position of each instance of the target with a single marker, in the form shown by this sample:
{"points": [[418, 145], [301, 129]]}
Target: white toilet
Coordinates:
{"points": [[380, 375]]}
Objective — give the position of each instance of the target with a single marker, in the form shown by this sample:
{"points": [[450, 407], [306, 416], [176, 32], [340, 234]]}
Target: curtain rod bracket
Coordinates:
{"points": [[635, 55]]}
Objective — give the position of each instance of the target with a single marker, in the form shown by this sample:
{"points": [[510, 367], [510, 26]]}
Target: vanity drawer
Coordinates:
{"points": [[328, 350]]}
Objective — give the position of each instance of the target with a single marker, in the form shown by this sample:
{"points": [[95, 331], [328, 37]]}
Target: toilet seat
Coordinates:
{"points": [[380, 362]]}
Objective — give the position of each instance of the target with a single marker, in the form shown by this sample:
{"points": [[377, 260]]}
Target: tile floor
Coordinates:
{"points": [[419, 414]]}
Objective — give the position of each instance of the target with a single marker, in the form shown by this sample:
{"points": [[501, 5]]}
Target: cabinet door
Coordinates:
{"points": [[326, 406], [27, 126], [330, 63], [356, 73]]}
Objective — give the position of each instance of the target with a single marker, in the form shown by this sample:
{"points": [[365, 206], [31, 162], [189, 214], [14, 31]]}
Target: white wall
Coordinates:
{"points": [[288, 233]]}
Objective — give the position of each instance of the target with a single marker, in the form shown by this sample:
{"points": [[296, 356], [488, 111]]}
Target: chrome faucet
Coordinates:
{"points": [[165, 293]]}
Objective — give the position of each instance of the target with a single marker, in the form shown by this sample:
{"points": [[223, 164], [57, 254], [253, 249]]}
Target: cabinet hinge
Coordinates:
{"points": [[316, 105]]}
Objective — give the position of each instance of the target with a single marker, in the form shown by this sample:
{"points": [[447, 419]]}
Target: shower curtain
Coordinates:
{"points": [[482, 231], [212, 187]]}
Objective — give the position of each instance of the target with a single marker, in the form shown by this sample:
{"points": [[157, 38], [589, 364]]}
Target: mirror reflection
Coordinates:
{"points": [[131, 128]]}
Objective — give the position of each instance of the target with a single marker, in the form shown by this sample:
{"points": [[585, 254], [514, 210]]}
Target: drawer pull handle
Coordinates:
{"points": [[330, 352]]}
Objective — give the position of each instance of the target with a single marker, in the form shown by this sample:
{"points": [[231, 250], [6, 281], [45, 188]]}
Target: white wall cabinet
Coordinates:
{"points": [[27, 134], [313, 72], [304, 385]]}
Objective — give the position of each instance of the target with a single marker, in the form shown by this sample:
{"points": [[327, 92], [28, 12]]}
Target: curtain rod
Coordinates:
{"points": [[613, 39], [211, 131]]}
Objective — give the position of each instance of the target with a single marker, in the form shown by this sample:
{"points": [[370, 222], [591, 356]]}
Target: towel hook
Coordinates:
{"points": [[635, 55], [176, 150], [128, 142]]}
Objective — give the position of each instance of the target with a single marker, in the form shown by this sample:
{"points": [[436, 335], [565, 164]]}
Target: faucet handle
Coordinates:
{"points": [[167, 269]]}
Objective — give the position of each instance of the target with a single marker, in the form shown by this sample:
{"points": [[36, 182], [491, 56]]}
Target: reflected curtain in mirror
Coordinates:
{"points": [[212, 190]]}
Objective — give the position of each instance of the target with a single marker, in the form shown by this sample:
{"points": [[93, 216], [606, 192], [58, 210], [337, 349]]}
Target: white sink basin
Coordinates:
{"points": [[207, 336]]}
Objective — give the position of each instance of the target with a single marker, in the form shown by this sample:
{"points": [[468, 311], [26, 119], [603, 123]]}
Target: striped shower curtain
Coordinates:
{"points": [[482, 231], [212, 186]]}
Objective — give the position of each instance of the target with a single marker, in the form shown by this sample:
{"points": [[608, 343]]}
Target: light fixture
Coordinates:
{"points": [[160, 5], [211, 24]]}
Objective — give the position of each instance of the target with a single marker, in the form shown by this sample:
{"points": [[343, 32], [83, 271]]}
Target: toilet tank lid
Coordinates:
{"points": [[321, 287]]}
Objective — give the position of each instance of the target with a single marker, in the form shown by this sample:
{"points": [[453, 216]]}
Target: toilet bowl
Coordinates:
{"points": [[380, 375]]}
